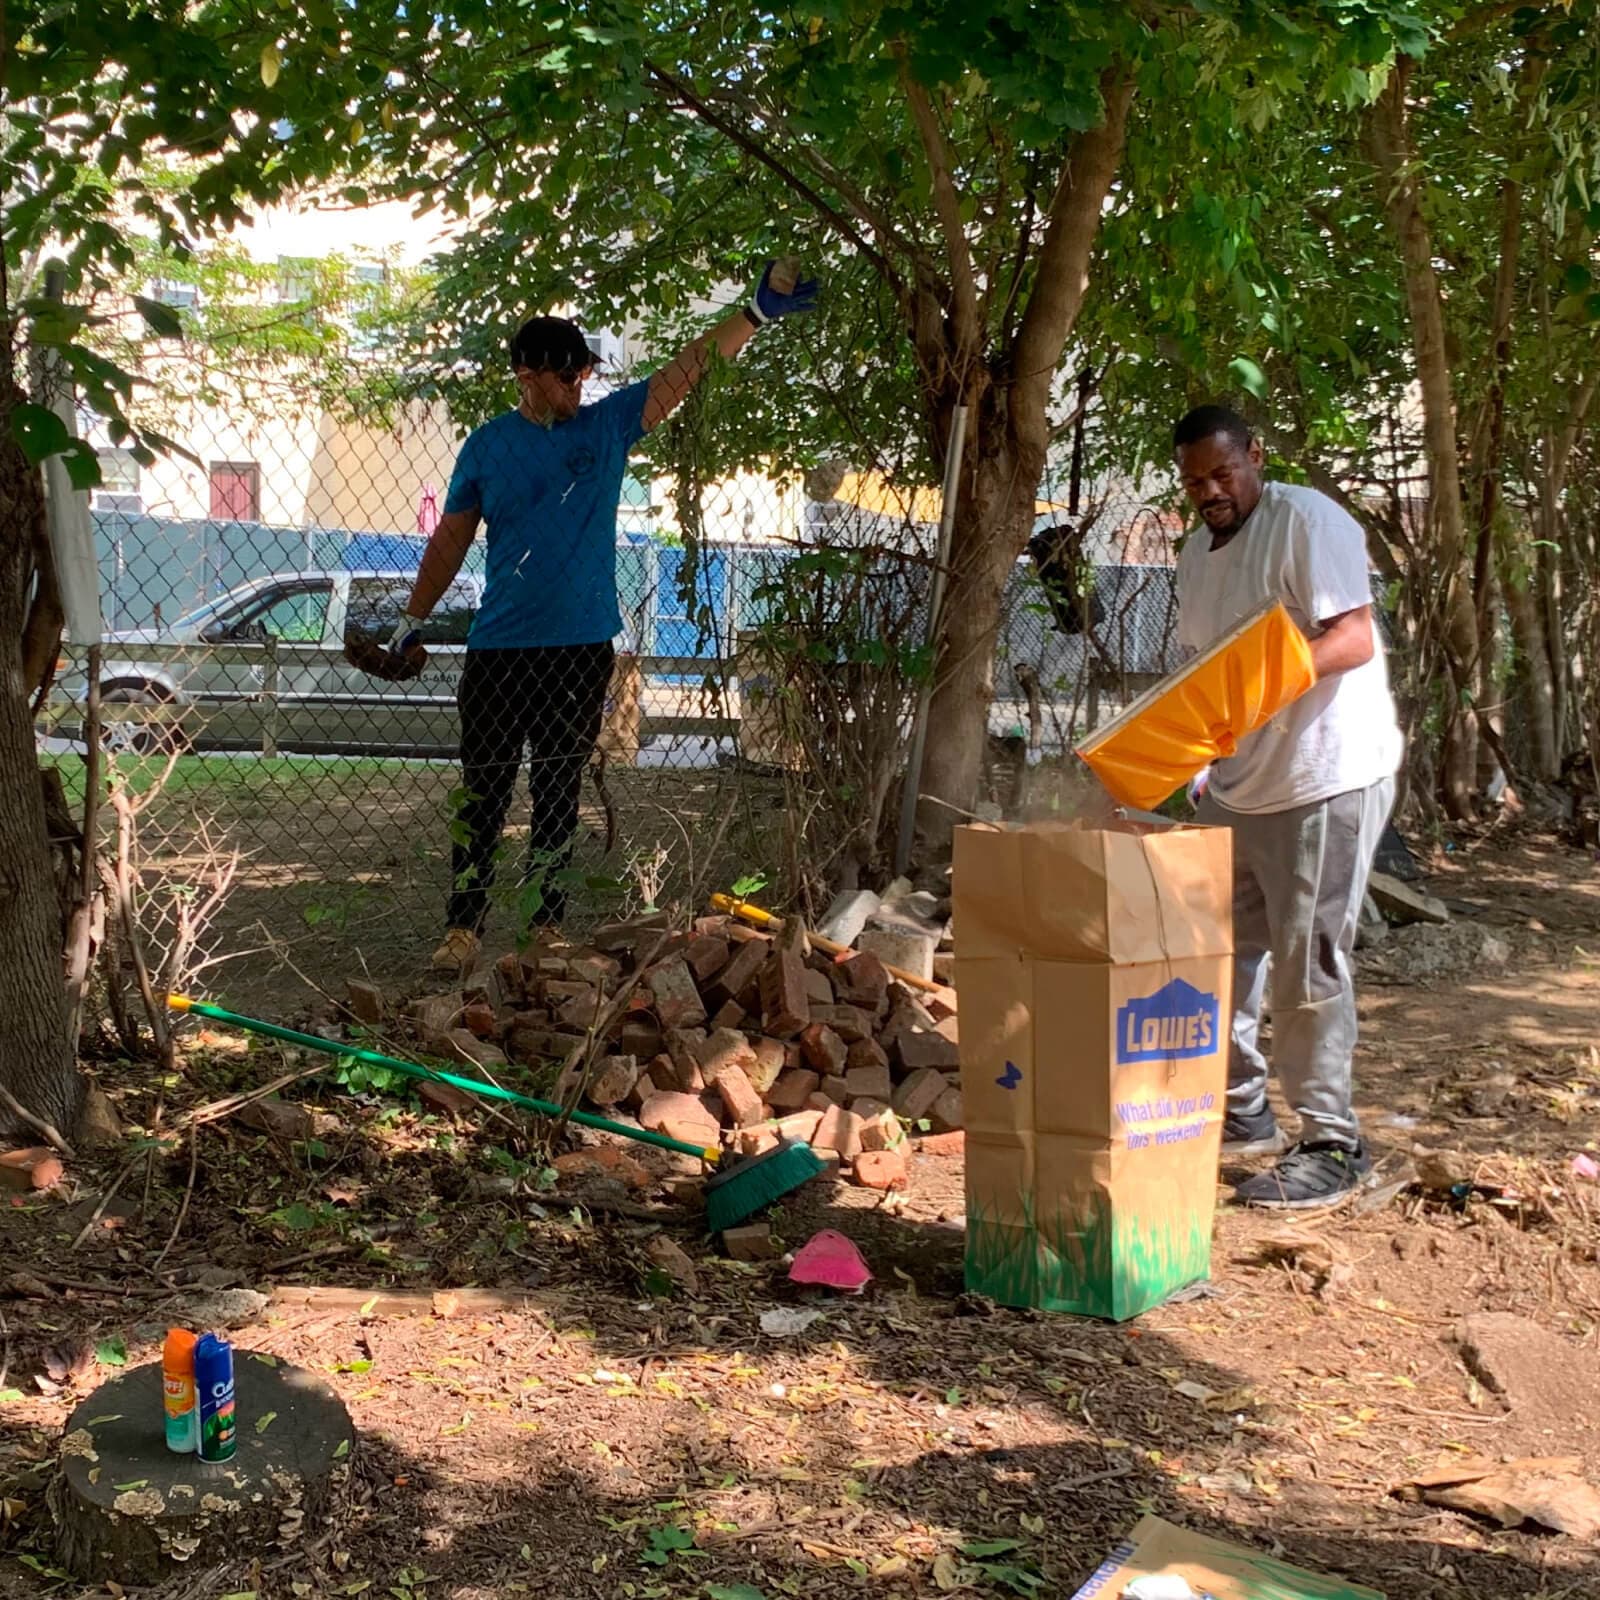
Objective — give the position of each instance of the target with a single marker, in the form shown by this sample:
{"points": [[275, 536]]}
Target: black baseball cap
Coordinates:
{"points": [[551, 344]]}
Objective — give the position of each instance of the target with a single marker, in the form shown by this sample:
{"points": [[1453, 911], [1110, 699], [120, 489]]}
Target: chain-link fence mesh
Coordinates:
{"points": [[610, 715]]}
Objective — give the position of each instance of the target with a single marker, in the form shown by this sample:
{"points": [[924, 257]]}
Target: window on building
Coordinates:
{"points": [[366, 305], [182, 296], [119, 482], [235, 491], [297, 279]]}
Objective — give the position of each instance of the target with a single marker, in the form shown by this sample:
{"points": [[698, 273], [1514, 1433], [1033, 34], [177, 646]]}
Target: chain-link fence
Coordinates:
{"points": [[605, 716]]}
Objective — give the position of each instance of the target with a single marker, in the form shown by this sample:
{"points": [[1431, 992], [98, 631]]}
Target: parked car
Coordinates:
{"points": [[324, 705]]}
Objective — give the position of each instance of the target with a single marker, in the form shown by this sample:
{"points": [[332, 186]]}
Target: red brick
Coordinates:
{"points": [[742, 971], [941, 1003], [915, 1098], [557, 991], [683, 1045], [434, 1015], [880, 1127], [604, 1161], [470, 1050], [867, 1083], [840, 1132], [738, 1094], [792, 1090], [785, 1007], [665, 1113], [533, 1046], [823, 1049], [819, 1102], [757, 1140], [948, 1027], [706, 957], [713, 927], [677, 1001], [800, 1126], [770, 1057], [946, 1113], [866, 1053], [882, 1169], [612, 1079], [730, 1014], [479, 1019], [639, 1036], [724, 1047], [819, 989], [446, 1099], [917, 1048], [751, 1242], [863, 981], [582, 1011], [659, 1076], [632, 936], [835, 1088], [590, 967], [851, 1023], [943, 1144], [364, 1001]]}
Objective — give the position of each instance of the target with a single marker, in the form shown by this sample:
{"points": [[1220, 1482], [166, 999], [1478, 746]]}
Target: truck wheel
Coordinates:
{"points": [[134, 738]]}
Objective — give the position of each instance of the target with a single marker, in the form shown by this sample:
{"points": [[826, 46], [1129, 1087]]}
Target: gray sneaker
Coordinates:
{"points": [[1259, 1135], [1310, 1176]]}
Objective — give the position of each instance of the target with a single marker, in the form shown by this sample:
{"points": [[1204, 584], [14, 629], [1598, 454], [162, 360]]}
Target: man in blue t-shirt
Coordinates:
{"points": [[546, 479]]}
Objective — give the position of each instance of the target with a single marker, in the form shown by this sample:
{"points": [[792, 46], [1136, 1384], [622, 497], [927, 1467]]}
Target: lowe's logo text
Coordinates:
{"points": [[1176, 1023]]}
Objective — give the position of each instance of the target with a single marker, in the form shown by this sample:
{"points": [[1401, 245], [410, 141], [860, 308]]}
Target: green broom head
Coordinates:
{"points": [[736, 1192]]}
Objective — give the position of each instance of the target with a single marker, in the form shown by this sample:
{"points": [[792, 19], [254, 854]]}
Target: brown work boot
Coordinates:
{"points": [[458, 955]]}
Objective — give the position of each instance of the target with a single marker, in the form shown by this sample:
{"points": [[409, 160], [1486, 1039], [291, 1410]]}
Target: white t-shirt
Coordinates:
{"points": [[1302, 548]]}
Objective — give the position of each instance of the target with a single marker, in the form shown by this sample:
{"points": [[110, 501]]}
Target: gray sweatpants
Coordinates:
{"points": [[1298, 881]]}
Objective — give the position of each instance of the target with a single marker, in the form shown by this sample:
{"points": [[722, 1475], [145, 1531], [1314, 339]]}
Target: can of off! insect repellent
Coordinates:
{"points": [[213, 1382], [177, 1391]]}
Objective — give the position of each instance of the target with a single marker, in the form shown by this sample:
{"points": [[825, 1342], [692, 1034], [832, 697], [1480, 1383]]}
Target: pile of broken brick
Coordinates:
{"points": [[725, 1036]]}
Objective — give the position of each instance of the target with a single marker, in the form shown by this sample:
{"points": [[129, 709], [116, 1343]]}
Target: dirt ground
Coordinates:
{"points": [[593, 1431]]}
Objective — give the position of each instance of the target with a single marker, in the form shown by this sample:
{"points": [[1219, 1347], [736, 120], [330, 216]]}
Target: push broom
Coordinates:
{"points": [[738, 1188]]}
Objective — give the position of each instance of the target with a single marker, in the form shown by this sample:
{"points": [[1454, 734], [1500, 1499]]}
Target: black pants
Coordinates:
{"points": [[548, 703]]}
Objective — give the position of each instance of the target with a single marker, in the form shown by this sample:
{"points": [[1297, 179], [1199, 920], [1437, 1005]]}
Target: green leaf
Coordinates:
{"points": [[11, 1396], [991, 1547], [39, 431], [342, 1451], [111, 1353], [265, 1421], [161, 320], [735, 1591], [134, 1483], [271, 64], [1248, 376]]}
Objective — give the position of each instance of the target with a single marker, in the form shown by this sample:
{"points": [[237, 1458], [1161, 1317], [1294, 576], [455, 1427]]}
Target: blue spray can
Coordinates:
{"points": [[213, 1383]]}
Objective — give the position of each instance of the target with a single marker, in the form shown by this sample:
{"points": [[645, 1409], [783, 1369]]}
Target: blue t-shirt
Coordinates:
{"points": [[549, 498]]}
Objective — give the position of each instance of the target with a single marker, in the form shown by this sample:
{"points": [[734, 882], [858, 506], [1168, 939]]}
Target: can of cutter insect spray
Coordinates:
{"points": [[177, 1391], [213, 1383]]}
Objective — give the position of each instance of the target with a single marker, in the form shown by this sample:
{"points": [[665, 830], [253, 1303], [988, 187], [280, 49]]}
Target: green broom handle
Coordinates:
{"points": [[488, 1091]]}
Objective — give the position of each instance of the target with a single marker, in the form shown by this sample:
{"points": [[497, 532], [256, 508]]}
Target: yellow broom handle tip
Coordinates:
{"points": [[179, 1002]]}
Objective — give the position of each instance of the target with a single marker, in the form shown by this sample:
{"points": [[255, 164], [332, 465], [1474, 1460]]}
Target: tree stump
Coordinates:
{"points": [[127, 1507]]}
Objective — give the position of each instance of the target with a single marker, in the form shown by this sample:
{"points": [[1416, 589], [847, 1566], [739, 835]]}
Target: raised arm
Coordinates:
{"points": [[669, 386]]}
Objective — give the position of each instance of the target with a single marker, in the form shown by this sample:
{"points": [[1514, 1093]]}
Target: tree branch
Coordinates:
{"points": [[1062, 277], [947, 206], [752, 147]]}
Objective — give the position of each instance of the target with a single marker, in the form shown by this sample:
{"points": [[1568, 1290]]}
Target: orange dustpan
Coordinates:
{"points": [[1200, 712]]}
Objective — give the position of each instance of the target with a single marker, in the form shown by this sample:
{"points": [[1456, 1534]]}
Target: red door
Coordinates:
{"points": [[235, 491]]}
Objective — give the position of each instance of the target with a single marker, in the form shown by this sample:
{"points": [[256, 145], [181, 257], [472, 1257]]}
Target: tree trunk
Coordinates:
{"points": [[1008, 433], [1389, 140], [994, 516], [36, 1062], [1534, 688]]}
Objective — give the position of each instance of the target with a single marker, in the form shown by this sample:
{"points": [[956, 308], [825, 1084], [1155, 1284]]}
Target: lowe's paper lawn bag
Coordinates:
{"points": [[1094, 966], [1212, 1569]]}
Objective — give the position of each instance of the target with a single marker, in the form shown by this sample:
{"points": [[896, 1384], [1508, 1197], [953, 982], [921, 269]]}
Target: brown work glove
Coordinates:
{"points": [[381, 660]]}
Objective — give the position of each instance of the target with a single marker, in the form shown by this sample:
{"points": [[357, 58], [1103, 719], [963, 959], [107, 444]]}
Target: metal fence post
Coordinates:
{"points": [[269, 699]]}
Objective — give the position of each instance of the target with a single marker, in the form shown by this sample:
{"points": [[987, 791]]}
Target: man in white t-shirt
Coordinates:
{"points": [[1307, 797]]}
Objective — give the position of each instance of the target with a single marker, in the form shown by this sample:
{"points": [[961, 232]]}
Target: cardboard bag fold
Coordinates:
{"points": [[1212, 1568], [1094, 966]]}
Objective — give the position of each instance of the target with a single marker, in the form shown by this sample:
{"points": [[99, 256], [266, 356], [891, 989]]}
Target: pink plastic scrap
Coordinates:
{"points": [[829, 1259], [1585, 1167]]}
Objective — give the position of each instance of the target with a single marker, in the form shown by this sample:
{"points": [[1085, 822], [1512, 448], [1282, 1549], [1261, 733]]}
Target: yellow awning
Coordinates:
{"points": [[871, 491]]}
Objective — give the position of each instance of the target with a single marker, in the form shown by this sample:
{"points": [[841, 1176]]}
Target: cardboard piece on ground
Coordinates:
{"points": [[1095, 972], [1211, 1567]]}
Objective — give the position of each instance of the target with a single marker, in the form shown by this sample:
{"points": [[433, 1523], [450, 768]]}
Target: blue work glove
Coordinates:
{"points": [[767, 304]]}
